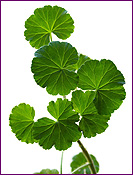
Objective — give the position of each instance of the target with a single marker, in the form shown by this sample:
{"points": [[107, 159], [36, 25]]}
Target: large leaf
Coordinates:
{"points": [[61, 132], [79, 160], [91, 123], [45, 21], [51, 68], [48, 171], [103, 77], [21, 122]]}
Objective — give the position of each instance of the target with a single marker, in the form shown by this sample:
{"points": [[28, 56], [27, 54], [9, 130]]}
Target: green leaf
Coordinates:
{"points": [[83, 102], [91, 123], [48, 171], [103, 77], [21, 122], [79, 160], [60, 133], [82, 59], [50, 68], [44, 22]]}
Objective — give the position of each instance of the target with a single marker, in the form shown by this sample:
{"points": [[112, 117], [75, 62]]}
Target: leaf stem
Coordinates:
{"points": [[62, 151], [61, 163], [82, 166], [88, 158], [50, 37], [64, 97]]}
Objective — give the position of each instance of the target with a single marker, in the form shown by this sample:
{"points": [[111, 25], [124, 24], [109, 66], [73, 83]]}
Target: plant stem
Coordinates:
{"points": [[82, 166], [88, 158], [61, 163], [62, 151], [64, 96], [50, 37]]}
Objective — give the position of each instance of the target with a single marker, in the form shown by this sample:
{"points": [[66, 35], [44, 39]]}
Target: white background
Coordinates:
{"points": [[102, 30]]}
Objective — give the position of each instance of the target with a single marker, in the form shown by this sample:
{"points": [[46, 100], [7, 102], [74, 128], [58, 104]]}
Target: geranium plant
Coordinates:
{"points": [[96, 86]]}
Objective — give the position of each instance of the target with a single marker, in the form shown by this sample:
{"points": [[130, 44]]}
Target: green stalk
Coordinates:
{"points": [[50, 37], [64, 96], [61, 163], [88, 158], [62, 151], [82, 166]]}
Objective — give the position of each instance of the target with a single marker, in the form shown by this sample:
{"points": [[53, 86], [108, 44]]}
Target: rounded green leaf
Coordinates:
{"points": [[103, 77], [51, 68], [91, 122], [45, 21], [79, 160], [21, 122], [82, 59], [60, 133], [48, 171], [83, 102]]}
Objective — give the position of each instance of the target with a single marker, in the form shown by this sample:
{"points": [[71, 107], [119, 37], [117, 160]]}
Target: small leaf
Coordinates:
{"points": [[61, 132], [45, 21], [79, 160], [82, 59], [83, 102], [91, 123], [48, 171], [103, 77], [50, 68], [21, 122]]}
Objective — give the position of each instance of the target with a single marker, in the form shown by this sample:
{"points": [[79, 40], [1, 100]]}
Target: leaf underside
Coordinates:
{"points": [[60, 133], [21, 122], [103, 77], [79, 160], [51, 68], [45, 21], [91, 122]]}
